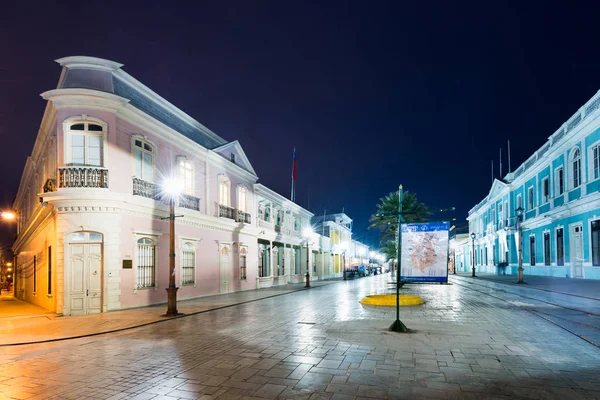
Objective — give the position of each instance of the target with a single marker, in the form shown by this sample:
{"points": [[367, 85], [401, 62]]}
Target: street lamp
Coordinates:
{"points": [[519, 212], [172, 188], [473, 236], [308, 234], [8, 215]]}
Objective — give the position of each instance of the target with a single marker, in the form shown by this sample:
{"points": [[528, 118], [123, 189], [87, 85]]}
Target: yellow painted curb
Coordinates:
{"points": [[390, 300]]}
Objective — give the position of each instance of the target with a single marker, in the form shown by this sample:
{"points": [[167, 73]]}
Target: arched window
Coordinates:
{"points": [[146, 262], [242, 199], [85, 144], [224, 192], [576, 168], [143, 158], [188, 264], [185, 171]]}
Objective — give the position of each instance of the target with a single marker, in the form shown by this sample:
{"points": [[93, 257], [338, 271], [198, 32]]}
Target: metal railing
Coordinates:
{"points": [[226, 212], [243, 217], [82, 177], [189, 202], [146, 189]]}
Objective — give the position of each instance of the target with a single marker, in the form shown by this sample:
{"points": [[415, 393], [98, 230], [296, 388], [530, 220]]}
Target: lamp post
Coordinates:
{"points": [[519, 212], [308, 233], [473, 236], [343, 247], [172, 188]]}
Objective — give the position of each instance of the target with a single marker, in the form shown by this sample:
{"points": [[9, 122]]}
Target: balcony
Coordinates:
{"points": [[189, 202], [265, 224], [243, 217], [226, 212], [82, 177], [146, 189]]}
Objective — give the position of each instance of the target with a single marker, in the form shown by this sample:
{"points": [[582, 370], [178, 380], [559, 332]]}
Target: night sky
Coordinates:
{"points": [[372, 94]]}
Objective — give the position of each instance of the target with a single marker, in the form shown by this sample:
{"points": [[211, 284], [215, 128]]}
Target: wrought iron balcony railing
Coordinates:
{"points": [[146, 189], [243, 217], [190, 202], [82, 177], [226, 212]]}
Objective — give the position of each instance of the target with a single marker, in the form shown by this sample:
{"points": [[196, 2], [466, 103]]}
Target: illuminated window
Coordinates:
{"points": [[224, 192], [242, 199], [85, 144], [186, 175], [143, 158]]}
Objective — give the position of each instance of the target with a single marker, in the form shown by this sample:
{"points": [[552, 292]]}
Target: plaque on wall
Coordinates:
{"points": [[127, 264]]}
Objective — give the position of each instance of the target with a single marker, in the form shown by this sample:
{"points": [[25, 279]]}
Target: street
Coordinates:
{"points": [[473, 338]]}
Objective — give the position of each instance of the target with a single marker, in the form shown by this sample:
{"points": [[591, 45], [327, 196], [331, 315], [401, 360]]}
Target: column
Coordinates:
{"points": [[271, 259]]}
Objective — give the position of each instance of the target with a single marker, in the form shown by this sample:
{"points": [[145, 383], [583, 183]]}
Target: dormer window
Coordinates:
{"points": [[232, 157], [85, 144]]}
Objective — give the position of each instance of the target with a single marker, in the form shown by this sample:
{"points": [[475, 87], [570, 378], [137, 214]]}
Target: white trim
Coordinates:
{"points": [[154, 153], [154, 238], [590, 169], [589, 221]]}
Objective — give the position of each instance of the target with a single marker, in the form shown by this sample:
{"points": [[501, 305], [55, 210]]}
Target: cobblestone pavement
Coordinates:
{"points": [[465, 342]]}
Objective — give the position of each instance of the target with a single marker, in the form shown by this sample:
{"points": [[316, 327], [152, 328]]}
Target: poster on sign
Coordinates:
{"points": [[425, 252]]}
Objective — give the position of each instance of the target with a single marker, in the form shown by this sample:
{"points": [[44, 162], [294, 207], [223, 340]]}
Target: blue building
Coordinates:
{"points": [[557, 191]]}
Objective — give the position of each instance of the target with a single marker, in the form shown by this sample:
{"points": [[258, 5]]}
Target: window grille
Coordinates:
{"points": [[146, 259]]}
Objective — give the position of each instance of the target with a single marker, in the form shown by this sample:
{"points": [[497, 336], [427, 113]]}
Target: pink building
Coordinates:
{"points": [[92, 234]]}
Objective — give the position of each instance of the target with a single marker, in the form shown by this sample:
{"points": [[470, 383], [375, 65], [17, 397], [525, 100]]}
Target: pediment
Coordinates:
{"points": [[497, 188], [239, 156]]}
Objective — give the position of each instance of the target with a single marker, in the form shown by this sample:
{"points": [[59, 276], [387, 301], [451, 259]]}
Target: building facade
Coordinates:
{"points": [[558, 191], [93, 229]]}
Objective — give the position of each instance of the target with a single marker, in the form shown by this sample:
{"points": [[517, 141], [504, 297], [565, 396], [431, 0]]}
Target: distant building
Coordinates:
{"points": [[558, 190], [338, 228]]}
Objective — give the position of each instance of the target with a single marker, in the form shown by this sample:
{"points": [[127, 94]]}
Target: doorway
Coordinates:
{"points": [[224, 268], [577, 250], [86, 271]]}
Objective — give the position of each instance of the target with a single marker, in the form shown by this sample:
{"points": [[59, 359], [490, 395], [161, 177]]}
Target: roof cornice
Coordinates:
{"points": [[85, 62]]}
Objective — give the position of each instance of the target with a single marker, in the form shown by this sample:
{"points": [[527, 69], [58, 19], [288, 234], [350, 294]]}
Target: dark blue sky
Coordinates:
{"points": [[372, 94]]}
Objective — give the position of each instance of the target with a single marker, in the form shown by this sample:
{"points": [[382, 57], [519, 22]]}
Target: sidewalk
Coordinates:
{"points": [[589, 288], [23, 323]]}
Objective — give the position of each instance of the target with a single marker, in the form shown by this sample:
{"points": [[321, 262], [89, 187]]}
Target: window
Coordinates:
{"points": [[49, 269], [242, 199], [576, 163], [188, 264], [532, 250], [485, 254], [146, 260], [547, 248], [186, 175], [34, 274], [493, 217], [530, 199], [595, 243], [500, 213], [224, 195], [596, 160], [560, 247], [519, 201], [143, 158], [243, 254], [545, 190], [232, 157], [560, 185], [85, 144]]}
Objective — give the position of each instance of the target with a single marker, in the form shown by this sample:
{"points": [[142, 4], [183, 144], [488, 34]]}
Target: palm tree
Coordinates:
{"points": [[389, 250], [386, 217]]}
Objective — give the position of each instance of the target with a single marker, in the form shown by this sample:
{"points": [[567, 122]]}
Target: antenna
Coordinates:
{"points": [[509, 157], [500, 162], [492, 170]]}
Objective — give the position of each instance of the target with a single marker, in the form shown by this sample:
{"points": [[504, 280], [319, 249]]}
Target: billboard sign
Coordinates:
{"points": [[425, 252]]}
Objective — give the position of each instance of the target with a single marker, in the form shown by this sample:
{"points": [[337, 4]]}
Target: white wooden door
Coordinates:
{"points": [[224, 270], [86, 282], [577, 251]]}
